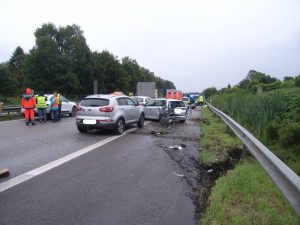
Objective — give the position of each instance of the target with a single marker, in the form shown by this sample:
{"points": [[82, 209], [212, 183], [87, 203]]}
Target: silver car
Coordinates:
{"points": [[157, 108], [108, 112]]}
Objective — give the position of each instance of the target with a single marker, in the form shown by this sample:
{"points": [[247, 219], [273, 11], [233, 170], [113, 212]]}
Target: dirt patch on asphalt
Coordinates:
{"points": [[181, 142]]}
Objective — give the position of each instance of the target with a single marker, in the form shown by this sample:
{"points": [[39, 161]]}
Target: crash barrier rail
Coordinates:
{"points": [[286, 180], [10, 109]]}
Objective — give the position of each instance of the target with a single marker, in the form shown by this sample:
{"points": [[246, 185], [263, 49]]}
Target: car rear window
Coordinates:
{"points": [[94, 102], [175, 104], [156, 103]]}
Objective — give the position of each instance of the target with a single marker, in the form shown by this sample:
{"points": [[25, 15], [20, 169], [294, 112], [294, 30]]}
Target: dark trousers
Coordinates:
{"points": [[54, 115], [59, 112]]}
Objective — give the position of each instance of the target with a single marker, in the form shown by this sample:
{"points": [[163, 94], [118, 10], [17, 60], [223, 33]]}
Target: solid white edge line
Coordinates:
{"points": [[42, 169]]}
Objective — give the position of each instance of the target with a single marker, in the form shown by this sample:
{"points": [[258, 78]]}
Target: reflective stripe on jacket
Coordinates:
{"points": [[28, 102], [59, 101], [41, 102]]}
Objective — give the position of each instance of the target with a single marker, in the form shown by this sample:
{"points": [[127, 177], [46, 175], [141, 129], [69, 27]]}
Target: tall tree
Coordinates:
{"points": [[45, 66], [72, 44], [7, 87], [209, 92], [15, 66]]}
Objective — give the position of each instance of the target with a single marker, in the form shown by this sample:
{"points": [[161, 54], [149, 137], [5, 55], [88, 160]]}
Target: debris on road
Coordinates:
{"points": [[177, 146], [4, 172], [179, 175], [157, 133], [187, 139]]}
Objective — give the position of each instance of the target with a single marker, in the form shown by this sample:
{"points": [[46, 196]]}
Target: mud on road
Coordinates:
{"points": [[181, 141]]}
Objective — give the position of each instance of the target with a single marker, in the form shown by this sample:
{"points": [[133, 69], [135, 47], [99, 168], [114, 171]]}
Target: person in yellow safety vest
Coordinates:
{"points": [[41, 106], [201, 100]]}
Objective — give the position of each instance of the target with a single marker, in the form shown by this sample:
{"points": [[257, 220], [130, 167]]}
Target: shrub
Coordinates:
{"points": [[297, 81], [272, 131], [289, 134]]}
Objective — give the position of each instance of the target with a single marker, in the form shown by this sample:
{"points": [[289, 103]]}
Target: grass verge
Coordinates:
{"points": [[217, 140], [245, 195], [11, 117]]}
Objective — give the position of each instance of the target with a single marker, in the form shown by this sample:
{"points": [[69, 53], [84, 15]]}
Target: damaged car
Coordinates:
{"points": [[156, 109]]}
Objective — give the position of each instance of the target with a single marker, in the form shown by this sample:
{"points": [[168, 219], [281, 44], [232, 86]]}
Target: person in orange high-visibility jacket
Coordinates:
{"points": [[54, 101], [28, 103]]}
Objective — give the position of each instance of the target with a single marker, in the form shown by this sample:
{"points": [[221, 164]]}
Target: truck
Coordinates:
{"points": [[174, 94], [146, 89]]}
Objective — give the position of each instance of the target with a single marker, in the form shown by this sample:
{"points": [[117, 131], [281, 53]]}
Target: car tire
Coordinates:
{"points": [[73, 113], [141, 121], [119, 129], [82, 129]]}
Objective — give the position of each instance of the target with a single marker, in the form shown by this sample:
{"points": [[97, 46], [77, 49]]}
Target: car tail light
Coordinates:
{"points": [[107, 109]]}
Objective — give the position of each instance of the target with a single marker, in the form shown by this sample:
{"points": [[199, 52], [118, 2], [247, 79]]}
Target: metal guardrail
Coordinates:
{"points": [[10, 109], [286, 180]]}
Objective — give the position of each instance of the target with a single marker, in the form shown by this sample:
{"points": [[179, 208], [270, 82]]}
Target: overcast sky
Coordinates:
{"points": [[196, 44]]}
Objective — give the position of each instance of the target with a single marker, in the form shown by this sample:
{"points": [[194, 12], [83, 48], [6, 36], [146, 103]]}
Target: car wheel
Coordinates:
{"points": [[141, 121], [73, 113], [82, 129], [119, 129]]}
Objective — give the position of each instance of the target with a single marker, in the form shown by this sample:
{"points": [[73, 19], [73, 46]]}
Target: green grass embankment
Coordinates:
{"points": [[245, 195]]}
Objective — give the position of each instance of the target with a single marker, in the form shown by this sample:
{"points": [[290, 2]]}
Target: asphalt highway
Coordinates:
{"points": [[23, 148], [125, 180]]}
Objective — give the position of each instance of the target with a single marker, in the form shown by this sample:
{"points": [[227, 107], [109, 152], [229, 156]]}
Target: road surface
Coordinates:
{"points": [[130, 180]]}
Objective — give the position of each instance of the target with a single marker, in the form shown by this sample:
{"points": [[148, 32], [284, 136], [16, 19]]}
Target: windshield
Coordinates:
{"points": [[94, 102]]}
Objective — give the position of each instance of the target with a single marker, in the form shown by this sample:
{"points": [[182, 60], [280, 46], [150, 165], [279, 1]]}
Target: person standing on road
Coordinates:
{"points": [[59, 107], [54, 107], [41, 106], [28, 103], [190, 106], [201, 100]]}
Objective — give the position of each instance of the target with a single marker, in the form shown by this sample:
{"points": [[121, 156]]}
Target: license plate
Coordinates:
{"points": [[89, 121]]}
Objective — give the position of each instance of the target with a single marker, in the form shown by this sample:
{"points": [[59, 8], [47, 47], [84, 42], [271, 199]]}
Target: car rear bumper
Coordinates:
{"points": [[99, 124]]}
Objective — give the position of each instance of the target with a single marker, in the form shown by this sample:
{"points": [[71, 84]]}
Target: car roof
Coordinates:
{"points": [[104, 96], [138, 96], [159, 99]]}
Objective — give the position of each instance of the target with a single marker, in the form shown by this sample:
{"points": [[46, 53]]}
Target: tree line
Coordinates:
{"points": [[255, 82], [61, 60]]}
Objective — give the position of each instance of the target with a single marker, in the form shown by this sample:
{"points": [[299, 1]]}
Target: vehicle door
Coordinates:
{"points": [[149, 109], [65, 106], [124, 109], [134, 110]]}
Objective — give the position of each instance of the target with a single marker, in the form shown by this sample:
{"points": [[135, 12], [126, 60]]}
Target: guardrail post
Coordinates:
{"points": [[244, 151]]}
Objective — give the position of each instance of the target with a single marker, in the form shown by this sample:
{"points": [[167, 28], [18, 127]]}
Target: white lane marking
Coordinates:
{"points": [[26, 176]]}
